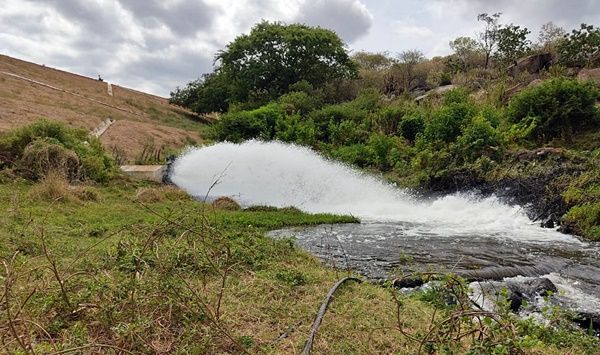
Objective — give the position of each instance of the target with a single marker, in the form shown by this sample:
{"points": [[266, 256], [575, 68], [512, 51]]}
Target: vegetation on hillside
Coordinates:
{"points": [[495, 117]]}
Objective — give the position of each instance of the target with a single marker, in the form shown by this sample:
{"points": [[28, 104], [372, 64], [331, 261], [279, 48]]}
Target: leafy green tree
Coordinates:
{"points": [[581, 47], [512, 44], [274, 56]]}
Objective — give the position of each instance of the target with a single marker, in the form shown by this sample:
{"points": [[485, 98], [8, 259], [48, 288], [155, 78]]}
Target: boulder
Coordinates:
{"points": [[590, 74], [440, 90], [532, 64]]}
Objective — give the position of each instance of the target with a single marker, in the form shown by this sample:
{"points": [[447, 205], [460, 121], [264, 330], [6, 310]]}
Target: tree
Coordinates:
{"points": [[488, 38], [373, 61], [581, 47], [512, 43], [466, 54], [549, 36], [274, 56], [406, 69]]}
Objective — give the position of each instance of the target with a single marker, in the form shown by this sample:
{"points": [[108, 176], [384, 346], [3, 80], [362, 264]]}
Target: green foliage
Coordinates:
{"points": [[479, 138], [244, 125], [274, 56], [300, 102], [446, 123], [388, 119], [411, 126], [586, 219], [381, 146], [556, 108], [466, 54], [512, 44], [368, 100], [331, 116], [211, 93], [295, 129], [357, 154], [348, 132], [55, 146], [580, 47]]}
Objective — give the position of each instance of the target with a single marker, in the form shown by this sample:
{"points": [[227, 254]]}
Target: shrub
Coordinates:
{"points": [[456, 96], [557, 108], [53, 188], [387, 120], [299, 102], [368, 99], [381, 146], [410, 126], [45, 155], [585, 219], [149, 195], [226, 203], [57, 146], [331, 116], [355, 154], [243, 125], [348, 132], [295, 129], [479, 138], [446, 123]]}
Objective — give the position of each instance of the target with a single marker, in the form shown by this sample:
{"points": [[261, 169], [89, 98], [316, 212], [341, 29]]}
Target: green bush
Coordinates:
{"points": [[410, 126], [331, 116], [348, 132], [48, 145], [479, 138], [295, 129], [446, 123], [356, 154], [243, 125], [556, 108], [299, 102], [387, 119], [586, 220], [369, 99], [381, 147], [456, 96]]}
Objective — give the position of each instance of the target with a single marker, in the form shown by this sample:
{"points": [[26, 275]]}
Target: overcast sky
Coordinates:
{"points": [[156, 45]]}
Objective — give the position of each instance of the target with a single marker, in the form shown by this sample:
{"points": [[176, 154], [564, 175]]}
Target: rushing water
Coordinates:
{"points": [[398, 233]]}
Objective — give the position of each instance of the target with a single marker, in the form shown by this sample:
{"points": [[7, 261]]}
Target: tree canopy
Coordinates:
{"points": [[261, 65]]}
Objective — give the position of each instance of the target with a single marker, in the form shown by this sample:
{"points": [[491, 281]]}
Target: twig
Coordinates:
{"points": [[321, 313]]}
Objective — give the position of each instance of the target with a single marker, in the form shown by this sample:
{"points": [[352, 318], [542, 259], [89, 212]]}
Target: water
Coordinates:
{"points": [[399, 233]]}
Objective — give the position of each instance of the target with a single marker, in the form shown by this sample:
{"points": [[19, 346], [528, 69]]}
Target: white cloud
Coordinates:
{"points": [[409, 30]]}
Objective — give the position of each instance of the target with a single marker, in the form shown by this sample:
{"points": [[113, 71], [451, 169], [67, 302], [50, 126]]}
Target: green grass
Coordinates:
{"points": [[177, 276]]}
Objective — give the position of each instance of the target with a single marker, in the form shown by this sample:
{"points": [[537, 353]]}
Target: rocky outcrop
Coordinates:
{"points": [[440, 90], [532, 64]]}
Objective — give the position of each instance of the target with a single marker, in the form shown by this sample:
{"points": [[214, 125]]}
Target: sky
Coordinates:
{"points": [[157, 45]]}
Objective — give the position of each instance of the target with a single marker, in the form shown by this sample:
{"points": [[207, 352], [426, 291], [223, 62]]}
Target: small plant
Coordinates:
{"points": [[226, 203]]}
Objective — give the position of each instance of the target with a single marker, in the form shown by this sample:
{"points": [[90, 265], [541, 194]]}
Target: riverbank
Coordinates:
{"points": [[132, 267]]}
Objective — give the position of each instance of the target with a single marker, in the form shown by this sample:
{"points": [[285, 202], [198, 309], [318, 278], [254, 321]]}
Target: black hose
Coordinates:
{"points": [[315, 327]]}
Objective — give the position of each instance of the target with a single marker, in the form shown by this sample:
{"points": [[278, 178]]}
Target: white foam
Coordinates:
{"points": [[278, 174]]}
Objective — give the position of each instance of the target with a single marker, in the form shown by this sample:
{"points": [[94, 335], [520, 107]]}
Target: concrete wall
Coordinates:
{"points": [[145, 172]]}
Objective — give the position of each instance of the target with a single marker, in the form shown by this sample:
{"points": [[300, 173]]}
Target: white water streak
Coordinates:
{"points": [[278, 174]]}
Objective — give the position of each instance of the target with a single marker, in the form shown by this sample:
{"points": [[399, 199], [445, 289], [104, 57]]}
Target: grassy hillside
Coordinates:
{"points": [[86, 104]]}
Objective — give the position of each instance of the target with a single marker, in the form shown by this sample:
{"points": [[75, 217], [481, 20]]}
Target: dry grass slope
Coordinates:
{"points": [[86, 104]]}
